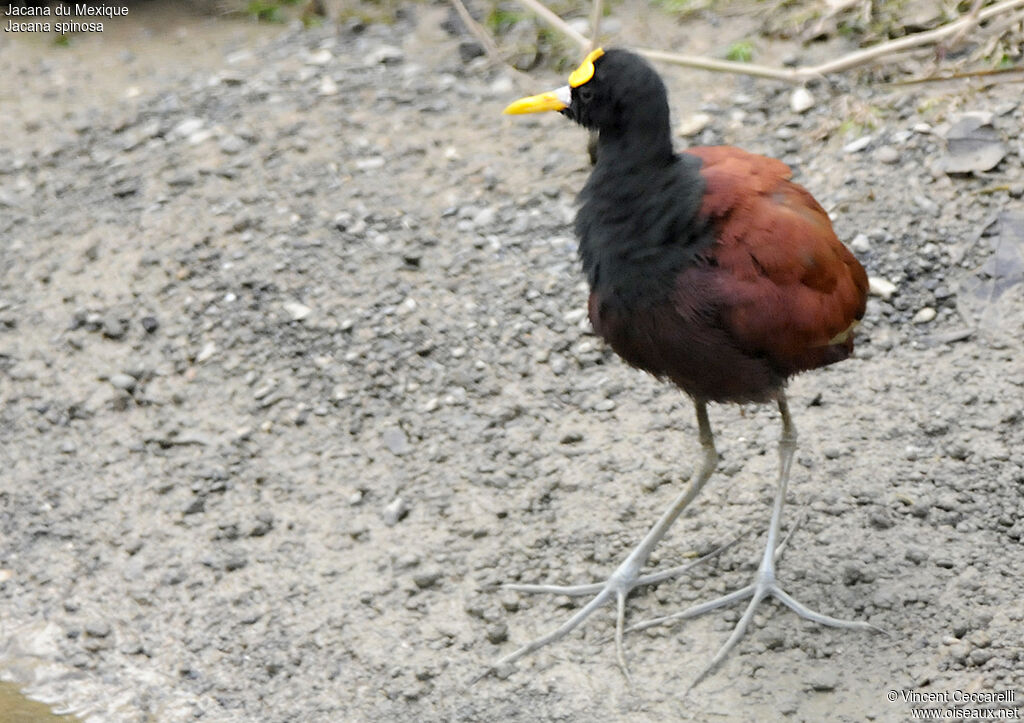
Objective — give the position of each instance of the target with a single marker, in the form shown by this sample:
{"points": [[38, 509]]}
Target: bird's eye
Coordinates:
{"points": [[585, 93]]}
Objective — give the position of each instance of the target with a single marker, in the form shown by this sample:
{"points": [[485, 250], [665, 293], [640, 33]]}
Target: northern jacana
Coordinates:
{"points": [[711, 269]]}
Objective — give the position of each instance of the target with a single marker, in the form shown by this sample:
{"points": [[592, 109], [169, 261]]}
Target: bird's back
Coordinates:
{"points": [[764, 289]]}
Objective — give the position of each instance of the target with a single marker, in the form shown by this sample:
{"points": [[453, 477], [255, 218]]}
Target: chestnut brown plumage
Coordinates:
{"points": [[709, 268]]}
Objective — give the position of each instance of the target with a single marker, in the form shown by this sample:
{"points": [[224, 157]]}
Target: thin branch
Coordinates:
{"points": [[556, 22], [959, 76], [862, 57], [973, 16], [792, 75], [478, 31], [595, 23]]}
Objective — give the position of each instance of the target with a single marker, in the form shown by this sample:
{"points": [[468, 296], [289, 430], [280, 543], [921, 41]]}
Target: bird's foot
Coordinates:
{"points": [[764, 585], [617, 587]]}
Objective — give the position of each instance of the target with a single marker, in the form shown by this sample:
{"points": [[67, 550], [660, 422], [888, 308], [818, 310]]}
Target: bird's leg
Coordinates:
{"points": [[627, 575], [764, 583]]}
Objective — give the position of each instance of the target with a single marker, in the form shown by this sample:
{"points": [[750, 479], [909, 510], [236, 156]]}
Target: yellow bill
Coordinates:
{"points": [[552, 100], [561, 98]]}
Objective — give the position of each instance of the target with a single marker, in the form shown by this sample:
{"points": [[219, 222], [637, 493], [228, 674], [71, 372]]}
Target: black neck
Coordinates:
{"points": [[636, 147]]}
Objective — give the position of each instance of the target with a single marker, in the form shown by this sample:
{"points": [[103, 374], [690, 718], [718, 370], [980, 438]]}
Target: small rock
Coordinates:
{"points": [[320, 57], [386, 54], [98, 629], [470, 50], [426, 578], [123, 381], [187, 127], [232, 145], [395, 512], [916, 555], [858, 145], [484, 217], [972, 144], [923, 316], [497, 633], [887, 154], [694, 124], [801, 100], [370, 164], [881, 520], [980, 657], [113, 328], [823, 681], [150, 324], [206, 353], [396, 441], [878, 286], [327, 86], [861, 243], [297, 311], [927, 205]]}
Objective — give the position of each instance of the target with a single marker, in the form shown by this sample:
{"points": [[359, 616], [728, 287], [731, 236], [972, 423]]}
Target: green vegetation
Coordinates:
{"points": [[268, 10], [742, 51], [500, 19], [682, 7]]}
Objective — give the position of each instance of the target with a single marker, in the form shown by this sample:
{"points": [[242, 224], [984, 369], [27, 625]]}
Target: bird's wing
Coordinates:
{"points": [[789, 289]]}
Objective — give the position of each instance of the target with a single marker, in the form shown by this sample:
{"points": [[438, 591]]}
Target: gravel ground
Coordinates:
{"points": [[295, 372]]}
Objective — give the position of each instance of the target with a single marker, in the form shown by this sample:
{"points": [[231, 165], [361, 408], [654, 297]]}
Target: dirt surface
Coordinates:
{"points": [[295, 372]]}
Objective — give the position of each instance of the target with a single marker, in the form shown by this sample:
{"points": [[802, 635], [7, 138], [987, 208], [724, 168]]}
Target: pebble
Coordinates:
{"points": [[320, 57], [396, 441], [927, 205], [924, 315], [385, 54], [823, 681], [113, 328], [327, 86], [206, 353], [150, 324], [916, 555], [123, 381], [232, 145], [497, 633], [470, 50], [694, 124], [98, 629], [887, 154], [877, 286], [861, 243], [370, 164], [484, 217], [395, 512], [187, 127], [427, 577], [858, 145], [296, 310], [801, 100]]}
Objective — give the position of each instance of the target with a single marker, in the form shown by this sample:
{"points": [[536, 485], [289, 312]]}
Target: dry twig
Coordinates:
{"points": [[795, 75], [595, 23], [478, 31]]}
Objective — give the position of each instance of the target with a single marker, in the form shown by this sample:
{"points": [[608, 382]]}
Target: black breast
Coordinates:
{"points": [[639, 227]]}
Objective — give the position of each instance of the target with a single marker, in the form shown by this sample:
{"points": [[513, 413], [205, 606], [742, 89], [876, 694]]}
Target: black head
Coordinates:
{"points": [[613, 91]]}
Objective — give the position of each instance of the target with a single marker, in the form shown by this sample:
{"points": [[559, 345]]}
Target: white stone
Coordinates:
{"points": [[801, 101], [877, 286]]}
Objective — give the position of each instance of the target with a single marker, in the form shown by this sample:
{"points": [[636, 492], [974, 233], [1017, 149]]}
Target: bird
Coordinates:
{"points": [[708, 268]]}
